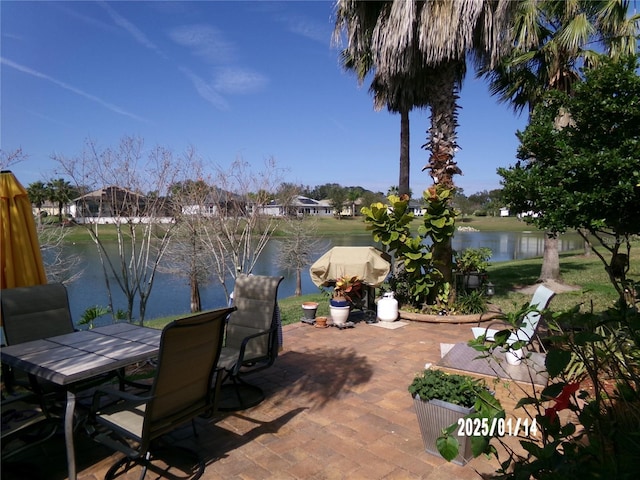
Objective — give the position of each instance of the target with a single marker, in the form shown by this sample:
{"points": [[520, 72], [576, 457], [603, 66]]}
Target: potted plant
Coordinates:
{"points": [[471, 265], [346, 290], [444, 403]]}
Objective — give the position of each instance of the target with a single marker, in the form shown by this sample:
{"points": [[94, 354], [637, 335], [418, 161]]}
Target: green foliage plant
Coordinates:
{"points": [[91, 314], [600, 437], [417, 277], [473, 302], [472, 260]]}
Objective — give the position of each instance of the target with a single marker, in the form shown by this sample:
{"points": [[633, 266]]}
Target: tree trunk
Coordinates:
{"points": [[298, 291], [403, 180], [196, 305], [550, 260], [588, 248]]}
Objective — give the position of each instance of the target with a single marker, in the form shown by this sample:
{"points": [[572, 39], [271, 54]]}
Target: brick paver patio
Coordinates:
{"points": [[337, 407]]}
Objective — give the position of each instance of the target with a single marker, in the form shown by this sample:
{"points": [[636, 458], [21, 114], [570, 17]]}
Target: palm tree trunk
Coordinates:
{"points": [[403, 181], [441, 142], [441, 136]]}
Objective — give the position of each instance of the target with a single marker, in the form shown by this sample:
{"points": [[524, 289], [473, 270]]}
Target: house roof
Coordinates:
{"points": [[105, 191]]}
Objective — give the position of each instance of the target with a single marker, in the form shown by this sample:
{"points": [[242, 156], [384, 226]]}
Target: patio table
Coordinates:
{"points": [[68, 359]]}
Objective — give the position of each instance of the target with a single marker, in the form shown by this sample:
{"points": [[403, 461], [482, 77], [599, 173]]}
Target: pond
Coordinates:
{"points": [[170, 293]]}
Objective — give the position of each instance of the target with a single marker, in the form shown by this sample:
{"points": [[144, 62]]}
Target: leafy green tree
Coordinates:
{"points": [[585, 176], [552, 39], [322, 192], [337, 199]]}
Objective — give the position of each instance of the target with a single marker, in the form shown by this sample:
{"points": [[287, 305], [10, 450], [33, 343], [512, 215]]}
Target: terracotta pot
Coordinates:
{"points": [[321, 322]]}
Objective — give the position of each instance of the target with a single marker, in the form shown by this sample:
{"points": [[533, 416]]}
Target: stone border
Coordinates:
{"points": [[423, 317]]}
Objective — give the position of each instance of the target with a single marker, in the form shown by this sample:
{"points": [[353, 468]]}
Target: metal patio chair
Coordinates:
{"points": [[180, 392], [35, 313], [527, 330], [252, 339]]}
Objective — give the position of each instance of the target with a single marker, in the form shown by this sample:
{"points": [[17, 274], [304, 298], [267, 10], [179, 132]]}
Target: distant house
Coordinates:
{"points": [[114, 204], [504, 212], [300, 205], [416, 207], [215, 201], [49, 208]]}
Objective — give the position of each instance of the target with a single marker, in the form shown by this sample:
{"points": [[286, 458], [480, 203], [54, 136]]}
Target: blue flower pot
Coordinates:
{"points": [[338, 303]]}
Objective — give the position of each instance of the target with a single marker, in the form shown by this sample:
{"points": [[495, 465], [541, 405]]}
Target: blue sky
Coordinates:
{"points": [[250, 80]]}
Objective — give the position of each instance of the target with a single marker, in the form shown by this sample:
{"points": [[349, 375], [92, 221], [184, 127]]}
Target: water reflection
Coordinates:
{"points": [[170, 294]]}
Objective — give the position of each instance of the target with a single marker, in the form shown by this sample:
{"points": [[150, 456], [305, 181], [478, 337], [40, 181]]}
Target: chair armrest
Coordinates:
{"points": [[117, 394], [245, 342]]}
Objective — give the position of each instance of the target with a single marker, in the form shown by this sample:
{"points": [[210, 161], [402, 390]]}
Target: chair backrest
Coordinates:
{"points": [[540, 300], [36, 312], [256, 299], [189, 352]]}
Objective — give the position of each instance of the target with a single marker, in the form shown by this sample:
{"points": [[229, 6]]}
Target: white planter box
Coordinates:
{"points": [[433, 416]]}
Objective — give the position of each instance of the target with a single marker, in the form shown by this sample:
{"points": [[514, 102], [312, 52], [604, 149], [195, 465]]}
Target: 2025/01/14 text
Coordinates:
{"points": [[481, 427]]}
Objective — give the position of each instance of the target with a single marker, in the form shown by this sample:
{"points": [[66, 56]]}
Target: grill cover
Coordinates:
{"points": [[368, 263]]}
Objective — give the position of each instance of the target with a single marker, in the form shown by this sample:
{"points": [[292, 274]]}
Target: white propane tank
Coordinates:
{"points": [[388, 308]]}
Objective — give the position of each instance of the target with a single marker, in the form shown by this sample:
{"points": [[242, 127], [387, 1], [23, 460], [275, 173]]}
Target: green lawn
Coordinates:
{"points": [[329, 226]]}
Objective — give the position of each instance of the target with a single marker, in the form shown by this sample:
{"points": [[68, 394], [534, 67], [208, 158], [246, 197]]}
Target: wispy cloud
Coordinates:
{"points": [[131, 29], [204, 41], [238, 81], [89, 20], [209, 44], [295, 22], [309, 29], [206, 90], [71, 88]]}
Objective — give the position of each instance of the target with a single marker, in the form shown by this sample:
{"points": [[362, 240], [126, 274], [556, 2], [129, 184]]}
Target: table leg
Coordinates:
{"points": [[68, 433]]}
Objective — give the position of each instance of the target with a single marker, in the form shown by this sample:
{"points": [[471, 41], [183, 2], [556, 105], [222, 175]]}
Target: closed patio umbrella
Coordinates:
{"points": [[20, 256]]}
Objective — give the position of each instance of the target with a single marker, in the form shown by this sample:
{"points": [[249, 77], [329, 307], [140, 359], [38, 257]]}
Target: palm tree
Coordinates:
{"points": [[37, 192], [399, 95], [552, 40], [422, 46], [59, 191]]}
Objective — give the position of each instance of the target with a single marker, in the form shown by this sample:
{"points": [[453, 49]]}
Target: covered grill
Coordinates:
{"points": [[370, 264]]}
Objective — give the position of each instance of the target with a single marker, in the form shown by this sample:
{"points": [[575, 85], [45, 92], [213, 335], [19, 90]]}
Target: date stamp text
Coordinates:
{"points": [[482, 427]]}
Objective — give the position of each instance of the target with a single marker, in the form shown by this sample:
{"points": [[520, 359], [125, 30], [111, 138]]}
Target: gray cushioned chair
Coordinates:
{"points": [[181, 390], [33, 313], [36, 312], [252, 339]]}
